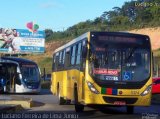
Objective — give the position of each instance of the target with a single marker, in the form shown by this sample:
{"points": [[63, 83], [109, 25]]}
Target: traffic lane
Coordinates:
{"points": [[47, 97], [50, 103], [92, 113], [97, 112]]}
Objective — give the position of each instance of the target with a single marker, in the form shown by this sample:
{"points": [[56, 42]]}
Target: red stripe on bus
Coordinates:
{"points": [[109, 91]]}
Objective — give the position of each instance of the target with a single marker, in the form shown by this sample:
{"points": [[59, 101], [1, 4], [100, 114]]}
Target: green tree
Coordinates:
{"points": [[48, 32]]}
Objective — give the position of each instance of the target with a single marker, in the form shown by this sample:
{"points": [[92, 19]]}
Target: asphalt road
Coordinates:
{"points": [[46, 103]]}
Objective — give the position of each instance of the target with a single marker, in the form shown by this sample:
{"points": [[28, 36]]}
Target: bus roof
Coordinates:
{"points": [[18, 60]]}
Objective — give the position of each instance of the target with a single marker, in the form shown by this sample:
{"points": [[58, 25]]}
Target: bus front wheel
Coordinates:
{"points": [[130, 109], [78, 107]]}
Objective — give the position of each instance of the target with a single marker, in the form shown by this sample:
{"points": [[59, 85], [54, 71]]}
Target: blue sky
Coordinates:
{"points": [[52, 14]]}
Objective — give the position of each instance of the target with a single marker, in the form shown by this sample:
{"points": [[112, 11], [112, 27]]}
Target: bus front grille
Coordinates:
{"points": [[114, 99]]}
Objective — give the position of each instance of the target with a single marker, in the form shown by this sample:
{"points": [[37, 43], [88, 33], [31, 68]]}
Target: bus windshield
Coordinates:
{"points": [[119, 60], [30, 73]]}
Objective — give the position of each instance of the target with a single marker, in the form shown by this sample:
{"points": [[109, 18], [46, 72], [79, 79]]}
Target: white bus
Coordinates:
{"points": [[18, 75]]}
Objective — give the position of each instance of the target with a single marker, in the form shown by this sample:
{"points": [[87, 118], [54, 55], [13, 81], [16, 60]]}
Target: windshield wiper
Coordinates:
{"points": [[130, 54]]}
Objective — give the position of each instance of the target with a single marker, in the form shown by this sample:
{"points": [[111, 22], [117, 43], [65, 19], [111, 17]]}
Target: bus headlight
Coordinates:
{"points": [[25, 80], [92, 88], [147, 90]]}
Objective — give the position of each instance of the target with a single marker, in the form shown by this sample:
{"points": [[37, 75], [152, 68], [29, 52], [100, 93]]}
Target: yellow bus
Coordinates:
{"points": [[103, 68]]}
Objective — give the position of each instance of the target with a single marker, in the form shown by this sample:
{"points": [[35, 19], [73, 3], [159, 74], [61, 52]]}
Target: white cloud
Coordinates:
{"points": [[50, 5]]}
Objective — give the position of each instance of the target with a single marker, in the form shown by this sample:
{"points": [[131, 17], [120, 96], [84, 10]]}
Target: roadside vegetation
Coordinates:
{"points": [[135, 14]]}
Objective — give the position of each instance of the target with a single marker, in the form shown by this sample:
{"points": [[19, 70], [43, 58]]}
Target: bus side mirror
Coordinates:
{"points": [[84, 52], [154, 68], [153, 62]]}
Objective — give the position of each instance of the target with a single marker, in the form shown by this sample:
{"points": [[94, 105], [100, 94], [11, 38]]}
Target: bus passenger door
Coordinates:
{"points": [[83, 65], [11, 77], [68, 75], [83, 85]]}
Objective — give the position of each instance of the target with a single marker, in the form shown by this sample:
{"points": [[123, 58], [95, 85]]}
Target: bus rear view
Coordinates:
{"points": [[119, 68]]}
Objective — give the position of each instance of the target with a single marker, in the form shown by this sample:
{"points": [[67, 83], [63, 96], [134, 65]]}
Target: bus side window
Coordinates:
{"points": [[78, 57], [84, 49], [56, 62], [84, 54], [60, 60], [67, 58], [63, 59], [73, 55]]}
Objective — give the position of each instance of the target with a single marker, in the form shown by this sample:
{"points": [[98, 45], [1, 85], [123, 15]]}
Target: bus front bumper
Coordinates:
{"points": [[100, 99]]}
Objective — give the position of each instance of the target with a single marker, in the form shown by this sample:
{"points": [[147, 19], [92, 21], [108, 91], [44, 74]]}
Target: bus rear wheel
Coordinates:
{"points": [[78, 107], [130, 109]]}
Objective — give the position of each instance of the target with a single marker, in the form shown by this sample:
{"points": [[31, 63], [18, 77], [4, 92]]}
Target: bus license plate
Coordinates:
{"points": [[119, 103]]}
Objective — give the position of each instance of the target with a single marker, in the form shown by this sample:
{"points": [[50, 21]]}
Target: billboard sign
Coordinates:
{"points": [[21, 41]]}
